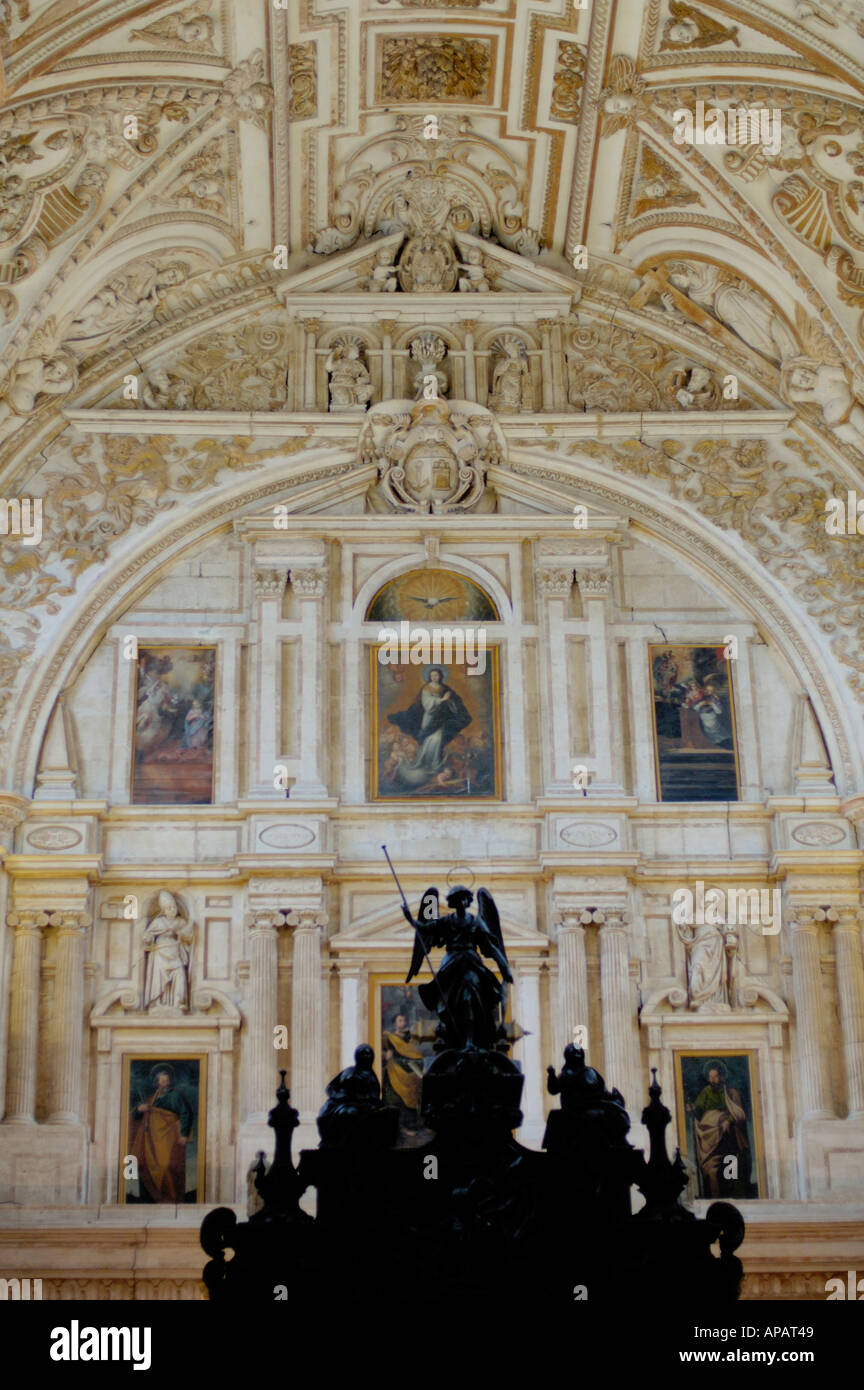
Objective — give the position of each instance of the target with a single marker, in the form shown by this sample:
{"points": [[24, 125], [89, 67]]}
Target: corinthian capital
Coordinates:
{"points": [[593, 583], [13, 809], [269, 583], [553, 581], [309, 583]]}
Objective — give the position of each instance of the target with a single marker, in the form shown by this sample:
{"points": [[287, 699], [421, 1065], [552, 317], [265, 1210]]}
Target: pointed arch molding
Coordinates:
{"points": [[677, 527]]}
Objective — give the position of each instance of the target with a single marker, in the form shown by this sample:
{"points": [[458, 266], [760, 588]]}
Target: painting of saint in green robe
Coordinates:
{"points": [[163, 1132], [720, 1128]]}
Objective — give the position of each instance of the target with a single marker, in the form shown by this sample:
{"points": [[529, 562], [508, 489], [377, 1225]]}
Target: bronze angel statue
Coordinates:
{"points": [[468, 997]]}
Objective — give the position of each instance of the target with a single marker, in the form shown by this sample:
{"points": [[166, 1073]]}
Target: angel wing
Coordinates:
{"points": [[45, 340], [487, 914], [814, 339], [426, 916]]}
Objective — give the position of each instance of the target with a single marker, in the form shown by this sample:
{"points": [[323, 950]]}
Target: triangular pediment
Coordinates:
{"points": [[386, 928]]}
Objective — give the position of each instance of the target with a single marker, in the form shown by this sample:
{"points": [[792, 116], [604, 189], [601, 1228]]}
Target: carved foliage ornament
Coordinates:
{"points": [[439, 67], [431, 455], [302, 81], [568, 81]]}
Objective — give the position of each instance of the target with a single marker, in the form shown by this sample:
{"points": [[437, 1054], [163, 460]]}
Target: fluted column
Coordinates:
{"points": [[306, 1013], [387, 326], [469, 327], [265, 708], [68, 1016], [572, 978], [617, 1003], [809, 1011], [23, 1043], [311, 328], [261, 1056], [548, 384], [554, 583], [595, 586], [310, 586], [850, 990]]}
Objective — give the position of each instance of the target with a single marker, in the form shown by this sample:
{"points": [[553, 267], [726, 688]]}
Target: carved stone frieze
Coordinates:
{"points": [[434, 67], [431, 455], [241, 368]]}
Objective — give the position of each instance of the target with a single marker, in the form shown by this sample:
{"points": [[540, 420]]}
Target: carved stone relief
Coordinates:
{"points": [[440, 67], [350, 384], [431, 455]]}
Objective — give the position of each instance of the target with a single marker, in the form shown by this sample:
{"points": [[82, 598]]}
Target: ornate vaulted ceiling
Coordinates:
{"points": [[202, 197]]}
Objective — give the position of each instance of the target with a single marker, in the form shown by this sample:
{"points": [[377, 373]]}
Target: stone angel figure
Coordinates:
{"points": [[818, 376], [468, 997], [167, 954]]}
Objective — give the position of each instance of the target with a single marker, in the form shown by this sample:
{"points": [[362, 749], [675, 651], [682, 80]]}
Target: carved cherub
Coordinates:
{"points": [[192, 27], [43, 369], [689, 28]]}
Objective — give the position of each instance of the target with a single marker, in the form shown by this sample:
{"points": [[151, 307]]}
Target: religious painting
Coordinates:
{"points": [[718, 1121], [404, 1030], [172, 760], [432, 594], [162, 1162], [436, 728], [695, 747]]}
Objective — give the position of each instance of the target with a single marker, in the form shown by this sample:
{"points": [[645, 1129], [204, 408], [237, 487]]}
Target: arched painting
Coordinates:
{"points": [[436, 718]]}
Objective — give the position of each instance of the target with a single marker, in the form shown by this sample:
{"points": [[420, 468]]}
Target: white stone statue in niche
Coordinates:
{"points": [[167, 954], [350, 385], [712, 962], [511, 376]]}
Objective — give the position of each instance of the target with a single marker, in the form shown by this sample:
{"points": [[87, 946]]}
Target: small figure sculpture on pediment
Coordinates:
{"points": [[473, 280], [383, 277]]}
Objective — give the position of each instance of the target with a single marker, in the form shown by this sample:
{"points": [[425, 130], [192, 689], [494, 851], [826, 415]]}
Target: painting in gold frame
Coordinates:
{"points": [[164, 1100], [403, 1032], [172, 752], [459, 758], [695, 743], [718, 1102]]}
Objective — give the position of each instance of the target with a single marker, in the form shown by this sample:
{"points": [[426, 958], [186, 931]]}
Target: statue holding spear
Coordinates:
{"points": [[467, 996]]}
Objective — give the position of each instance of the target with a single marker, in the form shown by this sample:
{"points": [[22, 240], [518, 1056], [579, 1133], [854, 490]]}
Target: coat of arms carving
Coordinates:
{"points": [[431, 455]]}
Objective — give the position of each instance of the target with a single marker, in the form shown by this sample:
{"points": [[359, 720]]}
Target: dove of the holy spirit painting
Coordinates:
{"points": [[436, 728]]}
